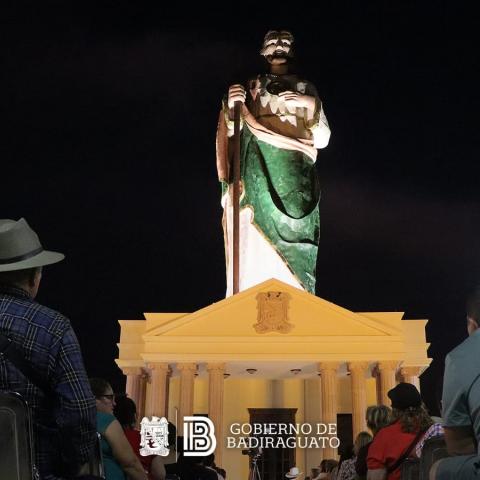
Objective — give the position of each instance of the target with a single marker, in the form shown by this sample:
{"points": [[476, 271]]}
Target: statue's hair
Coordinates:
{"points": [[275, 33]]}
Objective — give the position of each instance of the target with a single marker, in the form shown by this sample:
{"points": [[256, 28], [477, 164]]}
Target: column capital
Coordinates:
{"points": [[132, 371], [411, 371], [388, 364], [357, 366], [187, 367], [328, 366], [158, 366], [216, 366]]}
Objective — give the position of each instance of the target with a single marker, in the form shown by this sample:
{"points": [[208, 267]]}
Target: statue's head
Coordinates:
{"points": [[277, 45]]}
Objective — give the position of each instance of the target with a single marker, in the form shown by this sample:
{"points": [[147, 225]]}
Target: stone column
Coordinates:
{"points": [[328, 373], [187, 378], [167, 394], [387, 370], [359, 396], [142, 395], [134, 383], [158, 390], [215, 404], [411, 375]]}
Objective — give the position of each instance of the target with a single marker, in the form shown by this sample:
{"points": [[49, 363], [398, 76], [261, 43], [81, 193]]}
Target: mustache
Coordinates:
{"points": [[278, 54]]}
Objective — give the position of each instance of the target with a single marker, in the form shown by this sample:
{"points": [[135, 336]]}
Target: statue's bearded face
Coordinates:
{"points": [[277, 46]]}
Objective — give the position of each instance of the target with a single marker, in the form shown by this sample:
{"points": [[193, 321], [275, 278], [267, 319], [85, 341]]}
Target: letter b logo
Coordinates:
{"points": [[198, 436]]}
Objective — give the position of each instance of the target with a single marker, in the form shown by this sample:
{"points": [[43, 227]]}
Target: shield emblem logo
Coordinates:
{"points": [[154, 436]]}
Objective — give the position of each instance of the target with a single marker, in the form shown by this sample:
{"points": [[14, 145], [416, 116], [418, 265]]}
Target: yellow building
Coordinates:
{"points": [[269, 347]]}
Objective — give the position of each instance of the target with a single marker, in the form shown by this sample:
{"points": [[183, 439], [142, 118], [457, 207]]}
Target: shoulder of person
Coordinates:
{"points": [[105, 419], [464, 348], [57, 320]]}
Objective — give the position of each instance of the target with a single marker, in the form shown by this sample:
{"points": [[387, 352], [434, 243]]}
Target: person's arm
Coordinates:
{"points": [[123, 452], [457, 427], [75, 404], [157, 469], [460, 440]]}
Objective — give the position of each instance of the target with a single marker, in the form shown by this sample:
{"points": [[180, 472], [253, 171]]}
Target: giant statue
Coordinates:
{"points": [[282, 126]]}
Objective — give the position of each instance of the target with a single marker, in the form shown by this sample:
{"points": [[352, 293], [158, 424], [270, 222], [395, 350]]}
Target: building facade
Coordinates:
{"points": [[269, 347]]}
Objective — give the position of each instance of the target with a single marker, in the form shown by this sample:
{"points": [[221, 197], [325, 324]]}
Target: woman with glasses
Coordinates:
{"points": [[118, 457]]}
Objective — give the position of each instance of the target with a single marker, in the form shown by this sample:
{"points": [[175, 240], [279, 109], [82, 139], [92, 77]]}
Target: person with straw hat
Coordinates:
{"points": [[293, 473], [40, 357]]}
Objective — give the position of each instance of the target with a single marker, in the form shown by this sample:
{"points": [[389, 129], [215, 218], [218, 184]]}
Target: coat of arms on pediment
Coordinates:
{"points": [[272, 312]]}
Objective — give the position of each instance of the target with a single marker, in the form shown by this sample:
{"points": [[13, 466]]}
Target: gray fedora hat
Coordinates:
{"points": [[20, 247]]}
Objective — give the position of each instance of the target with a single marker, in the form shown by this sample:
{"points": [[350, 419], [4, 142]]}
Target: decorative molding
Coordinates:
{"points": [[357, 366], [328, 367], [187, 367], [388, 365], [213, 367]]}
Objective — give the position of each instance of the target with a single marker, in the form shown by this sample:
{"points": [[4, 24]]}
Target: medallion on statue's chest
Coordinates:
{"points": [[272, 312]]}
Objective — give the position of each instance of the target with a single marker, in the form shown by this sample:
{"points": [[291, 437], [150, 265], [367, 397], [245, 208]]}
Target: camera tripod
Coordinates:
{"points": [[254, 471]]}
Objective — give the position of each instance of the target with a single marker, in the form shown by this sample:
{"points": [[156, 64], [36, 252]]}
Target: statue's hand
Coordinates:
{"points": [[236, 93], [297, 100]]}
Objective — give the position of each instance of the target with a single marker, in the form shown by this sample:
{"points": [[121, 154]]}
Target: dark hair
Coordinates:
{"points": [[473, 305], [330, 464], [99, 386], [346, 454], [209, 460], [125, 410], [363, 438], [19, 277], [172, 434]]}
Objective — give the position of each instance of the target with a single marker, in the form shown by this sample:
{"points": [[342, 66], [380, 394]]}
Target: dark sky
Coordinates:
{"points": [[108, 151]]}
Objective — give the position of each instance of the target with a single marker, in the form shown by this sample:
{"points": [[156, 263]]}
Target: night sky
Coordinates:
{"points": [[108, 151]]}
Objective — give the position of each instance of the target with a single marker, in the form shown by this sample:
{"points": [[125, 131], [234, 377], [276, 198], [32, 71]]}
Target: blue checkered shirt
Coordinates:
{"points": [[50, 346]]}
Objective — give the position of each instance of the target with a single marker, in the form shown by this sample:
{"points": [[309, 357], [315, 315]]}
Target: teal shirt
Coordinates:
{"points": [[113, 470], [461, 405]]}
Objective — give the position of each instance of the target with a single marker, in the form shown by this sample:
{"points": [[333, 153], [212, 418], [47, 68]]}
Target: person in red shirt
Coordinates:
{"points": [[126, 413], [395, 443]]}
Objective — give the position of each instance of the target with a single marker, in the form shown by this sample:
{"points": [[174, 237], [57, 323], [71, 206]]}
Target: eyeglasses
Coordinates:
{"points": [[111, 397]]}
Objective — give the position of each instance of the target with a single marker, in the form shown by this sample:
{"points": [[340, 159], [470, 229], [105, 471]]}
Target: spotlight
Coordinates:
{"points": [[296, 371], [226, 375], [251, 371]]}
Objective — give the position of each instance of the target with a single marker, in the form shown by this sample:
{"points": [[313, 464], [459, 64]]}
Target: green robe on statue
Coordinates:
{"points": [[280, 227]]}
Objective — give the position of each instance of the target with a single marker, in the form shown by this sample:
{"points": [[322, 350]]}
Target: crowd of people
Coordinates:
{"points": [[40, 358], [397, 434]]}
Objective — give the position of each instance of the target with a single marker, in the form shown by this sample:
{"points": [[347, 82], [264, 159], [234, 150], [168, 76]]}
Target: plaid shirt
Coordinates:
{"points": [[434, 430], [48, 342]]}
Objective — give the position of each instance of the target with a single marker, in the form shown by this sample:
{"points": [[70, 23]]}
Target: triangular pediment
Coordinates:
{"points": [[307, 315]]}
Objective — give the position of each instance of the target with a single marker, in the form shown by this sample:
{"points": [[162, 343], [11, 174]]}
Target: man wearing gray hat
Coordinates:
{"points": [[40, 357]]}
